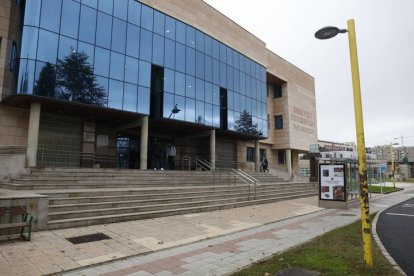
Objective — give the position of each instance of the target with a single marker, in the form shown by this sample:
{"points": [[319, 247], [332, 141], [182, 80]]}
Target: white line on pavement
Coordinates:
{"points": [[404, 215], [379, 205]]}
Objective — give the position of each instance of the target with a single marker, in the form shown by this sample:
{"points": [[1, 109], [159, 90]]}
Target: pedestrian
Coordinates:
{"points": [[265, 164], [171, 152]]}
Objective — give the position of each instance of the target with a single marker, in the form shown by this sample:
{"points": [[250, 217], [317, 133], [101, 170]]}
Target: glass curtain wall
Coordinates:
{"points": [[101, 53]]}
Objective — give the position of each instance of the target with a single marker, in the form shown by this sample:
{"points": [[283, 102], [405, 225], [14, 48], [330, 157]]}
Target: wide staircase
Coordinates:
{"points": [[81, 197]]}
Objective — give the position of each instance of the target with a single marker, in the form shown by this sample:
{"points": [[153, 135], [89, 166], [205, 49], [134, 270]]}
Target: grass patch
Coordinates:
{"points": [[338, 252], [386, 190]]}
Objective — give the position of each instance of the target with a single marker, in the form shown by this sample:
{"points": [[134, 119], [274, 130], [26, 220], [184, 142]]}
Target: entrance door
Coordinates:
{"points": [[127, 153]]}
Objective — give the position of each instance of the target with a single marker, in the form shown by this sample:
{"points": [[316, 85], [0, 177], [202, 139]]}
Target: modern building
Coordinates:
{"points": [[112, 83], [403, 159]]}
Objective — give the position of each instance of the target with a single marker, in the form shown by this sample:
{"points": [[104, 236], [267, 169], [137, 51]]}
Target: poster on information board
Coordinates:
{"points": [[332, 182]]}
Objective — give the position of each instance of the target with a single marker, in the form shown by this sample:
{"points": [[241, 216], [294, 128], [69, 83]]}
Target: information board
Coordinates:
{"points": [[332, 184]]}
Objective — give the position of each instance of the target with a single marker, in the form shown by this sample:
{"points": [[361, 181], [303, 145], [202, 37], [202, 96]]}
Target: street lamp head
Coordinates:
{"points": [[329, 32]]}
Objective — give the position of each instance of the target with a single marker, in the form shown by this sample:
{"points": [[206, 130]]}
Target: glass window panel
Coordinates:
{"points": [[236, 102], [180, 32], [179, 84], [190, 87], [32, 14], [248, 86], [158, 50], [208, 45], [190, 110], [29, 43], [208, 92], [223, 74], [47, 47], [230, 120], [118, 35], [180, 102], [22, 77], [199, 65], [243, 105], [208, 114], [120, 9], [101, 66], [190, 61], [242, 64], [229, 56], [130, 97], [87, 25], [237, 80], [263, 74], [216, 95], [70, 18], [252, 68], [223, 52], [131, 70], [115, 96], [216, 116], [229, 77], [159, 23], [29, 78], [90, 3], [190, 36], [169, 59], [134, 12], [200, 90], [133, 38], [216, 71], [143, 100], [242, 83], [144, 74], [103, 83], [216, 49], [249, 105], [254, 108], [236, 60], [103, 35], [168, 105], [87, 49], [208, 69], [257, 68], [199, 41], [169, 79], [230, 99], [170, 28], [200, 112], [66, 46], [106, 6], [146, 45], [117, 66], [50, 15], [180, 57], [147, 18]]}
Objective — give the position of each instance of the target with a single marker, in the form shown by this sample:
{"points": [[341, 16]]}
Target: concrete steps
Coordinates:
{"points": [[82, 197]]}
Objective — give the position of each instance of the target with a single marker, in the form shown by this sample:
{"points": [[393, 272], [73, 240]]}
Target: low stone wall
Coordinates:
{"points": [[12, 165], [36, 204]]}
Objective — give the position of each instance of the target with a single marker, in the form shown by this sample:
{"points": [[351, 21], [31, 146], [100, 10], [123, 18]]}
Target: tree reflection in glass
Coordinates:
{"points": [[72, 79], [245, 124]]}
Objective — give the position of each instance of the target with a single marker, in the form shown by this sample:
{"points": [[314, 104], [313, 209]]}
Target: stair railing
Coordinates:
{"points": [[247, 179]]}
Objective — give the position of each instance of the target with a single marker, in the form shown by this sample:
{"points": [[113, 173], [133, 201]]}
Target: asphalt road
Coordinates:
{"points": [[395, 228]]}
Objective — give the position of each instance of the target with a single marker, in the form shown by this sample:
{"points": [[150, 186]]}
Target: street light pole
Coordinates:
{"points": [[362, 157], [326, 33]]}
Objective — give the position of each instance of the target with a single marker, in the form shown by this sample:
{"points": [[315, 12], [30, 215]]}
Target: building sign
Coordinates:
{"points": [[303, 120], [313, 148], [332, 182]]}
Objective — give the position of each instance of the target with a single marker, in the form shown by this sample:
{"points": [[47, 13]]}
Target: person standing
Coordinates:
{"points": [[265, 165], [171, 152]]}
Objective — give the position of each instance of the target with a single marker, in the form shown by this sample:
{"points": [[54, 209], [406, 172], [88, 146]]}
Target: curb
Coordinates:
{"points": [[381, 246]]}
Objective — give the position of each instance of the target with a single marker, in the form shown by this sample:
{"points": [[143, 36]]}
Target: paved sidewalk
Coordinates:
{"points": [[229, 253], [212, 243]]}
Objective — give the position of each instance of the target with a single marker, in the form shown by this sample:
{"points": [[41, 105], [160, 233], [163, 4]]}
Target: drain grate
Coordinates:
{"points": [[297, 271], [348, 215], [88, 238]]}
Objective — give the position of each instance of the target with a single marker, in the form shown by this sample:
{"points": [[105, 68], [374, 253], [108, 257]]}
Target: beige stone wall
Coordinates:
{"points": [[202, 16], [4, 34], [14, 124], [297, 105]]}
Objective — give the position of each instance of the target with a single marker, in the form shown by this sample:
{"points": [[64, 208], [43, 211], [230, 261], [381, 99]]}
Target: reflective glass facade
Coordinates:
{"points": [[120, 42]]}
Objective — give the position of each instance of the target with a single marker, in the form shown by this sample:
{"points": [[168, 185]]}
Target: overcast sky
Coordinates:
{"points": [[385, 42]]}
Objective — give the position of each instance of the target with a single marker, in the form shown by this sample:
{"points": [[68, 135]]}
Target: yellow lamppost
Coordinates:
{"points": [[392, 163], [326, 33]]}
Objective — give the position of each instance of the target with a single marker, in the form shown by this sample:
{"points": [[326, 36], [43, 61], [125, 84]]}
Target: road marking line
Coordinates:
{"points": [[379, 205], [404, 215], [408, 205]]}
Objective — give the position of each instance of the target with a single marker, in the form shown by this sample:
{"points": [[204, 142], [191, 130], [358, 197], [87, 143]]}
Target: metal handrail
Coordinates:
{"points": [[251, 178], [247, 179]]}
